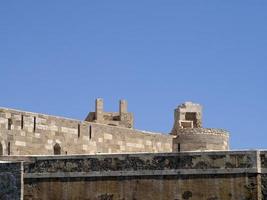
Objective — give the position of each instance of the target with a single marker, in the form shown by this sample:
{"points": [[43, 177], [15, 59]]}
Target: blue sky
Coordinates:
{"points": [[56, 57]]}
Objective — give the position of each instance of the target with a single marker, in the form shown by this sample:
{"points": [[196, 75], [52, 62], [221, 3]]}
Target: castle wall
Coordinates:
{"points": [[36, 134], [192, 176]]}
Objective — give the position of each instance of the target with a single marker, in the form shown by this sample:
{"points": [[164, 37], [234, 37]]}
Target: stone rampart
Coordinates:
{"points": [[26, 133]]}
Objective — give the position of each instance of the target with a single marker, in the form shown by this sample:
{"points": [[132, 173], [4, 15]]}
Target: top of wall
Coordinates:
{"points": [[18, 111]]}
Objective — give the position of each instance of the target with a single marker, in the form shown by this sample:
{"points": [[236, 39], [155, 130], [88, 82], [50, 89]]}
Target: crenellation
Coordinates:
{"points": [[123, 107], [99, 109]]}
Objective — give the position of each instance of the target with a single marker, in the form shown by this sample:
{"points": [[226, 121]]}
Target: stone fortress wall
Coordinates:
{"points": [[26, 133], [190, 163]]}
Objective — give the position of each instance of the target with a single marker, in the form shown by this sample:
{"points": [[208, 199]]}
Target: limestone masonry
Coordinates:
{"points": [[105, 158], [25, 133]]}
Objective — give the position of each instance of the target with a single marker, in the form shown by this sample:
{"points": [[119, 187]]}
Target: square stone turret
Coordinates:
{"points": [[191, 136], [188, 115]]}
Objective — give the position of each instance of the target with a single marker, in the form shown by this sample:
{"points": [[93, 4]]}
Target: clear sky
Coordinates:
{"points": [[56, 57]]}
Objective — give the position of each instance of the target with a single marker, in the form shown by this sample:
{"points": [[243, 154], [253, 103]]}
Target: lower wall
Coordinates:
{"points": [[229, 175], [203, 187]]}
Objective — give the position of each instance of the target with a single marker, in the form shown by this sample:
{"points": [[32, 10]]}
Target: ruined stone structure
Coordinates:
{"points": [[121, 118], [105, 158], [191, 136]]}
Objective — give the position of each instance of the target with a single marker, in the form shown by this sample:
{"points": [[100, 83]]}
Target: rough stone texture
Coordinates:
{"points": [[10, 181], [73, 136], [169, 163]]}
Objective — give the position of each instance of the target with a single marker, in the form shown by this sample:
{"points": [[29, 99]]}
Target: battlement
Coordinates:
{"points": [[121, 118]]}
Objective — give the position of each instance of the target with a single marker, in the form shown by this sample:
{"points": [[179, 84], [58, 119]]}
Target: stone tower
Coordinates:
{"points": [[189, 135]]}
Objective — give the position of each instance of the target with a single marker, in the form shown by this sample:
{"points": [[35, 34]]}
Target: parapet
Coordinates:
{"points": [[122, 118]]}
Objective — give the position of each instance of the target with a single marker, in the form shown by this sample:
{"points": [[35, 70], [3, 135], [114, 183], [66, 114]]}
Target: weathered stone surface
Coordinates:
{"points": [[196, 176], [229, 175], [218, 162], [10, 181]]}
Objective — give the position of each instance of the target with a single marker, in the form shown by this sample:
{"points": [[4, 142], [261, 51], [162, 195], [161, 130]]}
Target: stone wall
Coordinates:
{"points": [[11, 181], [204, 187], [171, 176], [197, 139], [25, 133]]}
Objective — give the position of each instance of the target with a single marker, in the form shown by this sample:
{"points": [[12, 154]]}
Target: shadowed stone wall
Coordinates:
{"points": [[10, 181], [172, 176]]}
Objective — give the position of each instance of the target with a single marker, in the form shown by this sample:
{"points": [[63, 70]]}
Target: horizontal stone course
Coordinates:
{"points": [[202, 162]]}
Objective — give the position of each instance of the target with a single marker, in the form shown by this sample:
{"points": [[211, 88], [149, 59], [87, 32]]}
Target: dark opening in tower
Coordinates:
{"points": [[191, 116]]}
